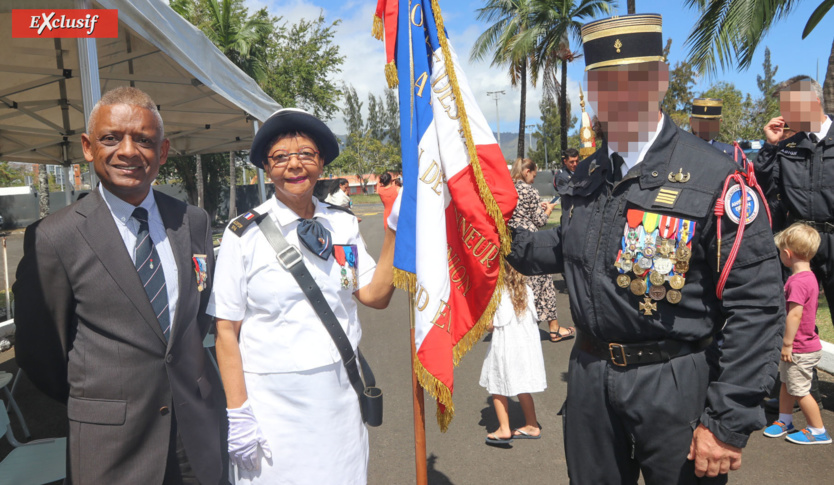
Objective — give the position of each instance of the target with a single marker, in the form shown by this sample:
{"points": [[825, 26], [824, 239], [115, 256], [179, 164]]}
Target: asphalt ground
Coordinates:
{"points": [[460, 456]]}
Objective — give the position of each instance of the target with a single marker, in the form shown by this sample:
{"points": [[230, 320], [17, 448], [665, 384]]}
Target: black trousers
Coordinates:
{"points": [[623, 421]]}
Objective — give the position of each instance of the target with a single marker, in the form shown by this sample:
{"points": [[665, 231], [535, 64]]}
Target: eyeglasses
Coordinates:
{"points": [[305, 156]]}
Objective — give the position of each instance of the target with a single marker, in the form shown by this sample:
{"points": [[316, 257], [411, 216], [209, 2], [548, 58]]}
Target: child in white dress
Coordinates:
{"points": [[514, 364]]}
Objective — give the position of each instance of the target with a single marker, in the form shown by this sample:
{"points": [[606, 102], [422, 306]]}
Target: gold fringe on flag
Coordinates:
{"points": [[486, 196], [438, 391], [405, 281], [377, 31], [391, 74]]}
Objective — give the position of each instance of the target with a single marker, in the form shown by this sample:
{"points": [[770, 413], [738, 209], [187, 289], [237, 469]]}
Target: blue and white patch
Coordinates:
{"points": [[732, 204]]}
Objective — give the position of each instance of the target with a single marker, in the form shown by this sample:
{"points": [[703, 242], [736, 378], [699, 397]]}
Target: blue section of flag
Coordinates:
{"points": [[413, 59]]}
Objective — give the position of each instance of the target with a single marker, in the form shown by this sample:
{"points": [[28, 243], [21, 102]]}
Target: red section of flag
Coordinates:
{"points": [[65, 23], [474, 259]]}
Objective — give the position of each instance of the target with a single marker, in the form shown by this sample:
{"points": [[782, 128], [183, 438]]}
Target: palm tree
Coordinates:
{"points": [[554, 23], [509, 17], [729, 31], [632, 8]]}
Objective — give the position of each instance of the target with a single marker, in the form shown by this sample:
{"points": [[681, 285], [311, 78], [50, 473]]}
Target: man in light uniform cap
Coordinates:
{"points": [[705, 122], [647, 264]]}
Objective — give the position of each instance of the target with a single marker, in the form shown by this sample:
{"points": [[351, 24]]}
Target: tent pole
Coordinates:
{"points": [[261, 186], [90, 85], [419, 409]]}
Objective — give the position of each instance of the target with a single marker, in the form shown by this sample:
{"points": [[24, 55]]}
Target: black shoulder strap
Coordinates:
{"points": [[340, 208], [291, 259]]}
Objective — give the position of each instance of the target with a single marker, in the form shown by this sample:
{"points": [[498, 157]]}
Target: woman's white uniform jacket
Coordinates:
{"points": [[281, 332]]}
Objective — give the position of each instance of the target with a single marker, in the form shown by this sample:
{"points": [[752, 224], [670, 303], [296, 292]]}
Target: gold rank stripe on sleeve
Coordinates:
{"points": [[666, 197]]}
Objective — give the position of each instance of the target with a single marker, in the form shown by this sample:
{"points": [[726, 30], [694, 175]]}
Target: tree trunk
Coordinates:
{"points": [[632, 8], [828, 85], [232, 187], [563, 108], [523, 110], [200, 183], [43, 191]]}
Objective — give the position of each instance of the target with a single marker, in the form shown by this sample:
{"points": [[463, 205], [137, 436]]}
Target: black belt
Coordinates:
{"points": [[823, 227], [638, 353]]}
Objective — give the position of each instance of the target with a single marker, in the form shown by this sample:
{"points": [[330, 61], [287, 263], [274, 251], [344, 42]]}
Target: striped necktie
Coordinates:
{"points": [[150, 271]]}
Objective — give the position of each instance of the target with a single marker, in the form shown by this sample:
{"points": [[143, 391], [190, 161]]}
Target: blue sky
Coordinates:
{"points": [[365, 58]]}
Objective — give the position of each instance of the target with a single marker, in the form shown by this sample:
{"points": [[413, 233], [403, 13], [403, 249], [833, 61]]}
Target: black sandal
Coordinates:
{"points": [[559, 337]]}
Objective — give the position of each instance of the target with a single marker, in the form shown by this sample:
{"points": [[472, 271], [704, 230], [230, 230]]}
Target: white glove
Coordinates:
{"points": [[394, 216], [245, 437]]}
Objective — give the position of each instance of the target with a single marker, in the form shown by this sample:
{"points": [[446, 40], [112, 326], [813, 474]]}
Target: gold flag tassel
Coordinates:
{"points": [[391, 75], [438, 391], [377, 31]]}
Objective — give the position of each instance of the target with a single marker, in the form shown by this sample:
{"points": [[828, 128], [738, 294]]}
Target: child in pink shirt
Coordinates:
{"points": [[801, 347]]}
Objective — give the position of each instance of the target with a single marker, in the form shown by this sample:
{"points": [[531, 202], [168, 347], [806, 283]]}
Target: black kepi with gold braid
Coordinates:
{"points": [[708, 108], [618, 41]]}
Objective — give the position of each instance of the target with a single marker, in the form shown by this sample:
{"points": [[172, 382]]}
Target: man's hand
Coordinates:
{"points": [[787, 350], [773, 130], [712, 456]]}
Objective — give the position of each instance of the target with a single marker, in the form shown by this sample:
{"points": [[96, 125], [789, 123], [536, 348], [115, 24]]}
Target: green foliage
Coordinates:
{"points": [[303, 62], [678, 101], [548, 134], [766, 106], [11, 176], [736, 120], [183, 170], [373, 145]]}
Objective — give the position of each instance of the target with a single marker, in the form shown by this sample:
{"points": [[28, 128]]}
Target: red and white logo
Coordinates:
{"points": [[70, 23]]}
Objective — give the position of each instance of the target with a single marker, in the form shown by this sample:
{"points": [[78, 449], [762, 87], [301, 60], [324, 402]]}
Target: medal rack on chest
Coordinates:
{"points": [[655, 252]]}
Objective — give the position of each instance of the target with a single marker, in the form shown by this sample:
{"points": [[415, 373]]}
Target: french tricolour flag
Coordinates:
{"points": [[457, 197]]}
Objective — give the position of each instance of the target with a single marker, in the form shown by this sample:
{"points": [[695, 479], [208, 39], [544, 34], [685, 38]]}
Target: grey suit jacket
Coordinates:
{"points": [[87, 335]]}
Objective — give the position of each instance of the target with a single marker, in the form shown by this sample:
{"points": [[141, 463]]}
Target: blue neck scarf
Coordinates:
{"points": [[315, 238]]}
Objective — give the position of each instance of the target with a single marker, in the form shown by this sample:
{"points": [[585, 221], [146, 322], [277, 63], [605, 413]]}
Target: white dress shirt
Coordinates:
{"points": [[826, 125], [128, 228], [635, 157], [281, 332]]}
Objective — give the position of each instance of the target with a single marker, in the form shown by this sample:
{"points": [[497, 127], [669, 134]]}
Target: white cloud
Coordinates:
{"points": [[365, 59]]}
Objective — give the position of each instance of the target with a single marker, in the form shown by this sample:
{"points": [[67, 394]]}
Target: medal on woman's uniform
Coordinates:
{"points": [[345, 255]]}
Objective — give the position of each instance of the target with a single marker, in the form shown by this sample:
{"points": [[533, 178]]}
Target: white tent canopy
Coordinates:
{"points": [[208, 105]]}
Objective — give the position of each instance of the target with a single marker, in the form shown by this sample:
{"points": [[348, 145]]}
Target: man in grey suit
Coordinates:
{"points": [[111, 295]]}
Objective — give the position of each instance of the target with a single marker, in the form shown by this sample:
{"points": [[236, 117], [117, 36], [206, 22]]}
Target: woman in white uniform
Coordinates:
{"points": [[293, 415]]}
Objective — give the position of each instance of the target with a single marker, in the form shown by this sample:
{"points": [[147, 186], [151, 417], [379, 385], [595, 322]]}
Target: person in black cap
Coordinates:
{"points": [[293, 413], [705, 121], [656, 262]]}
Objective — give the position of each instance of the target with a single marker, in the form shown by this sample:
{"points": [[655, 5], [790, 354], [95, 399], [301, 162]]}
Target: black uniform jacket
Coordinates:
{"points": [[798, 178], [587, 243], [724, 148], [561, 181]]}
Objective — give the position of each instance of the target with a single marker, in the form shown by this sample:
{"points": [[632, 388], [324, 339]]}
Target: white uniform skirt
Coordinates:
{"points": [[314, 427]]}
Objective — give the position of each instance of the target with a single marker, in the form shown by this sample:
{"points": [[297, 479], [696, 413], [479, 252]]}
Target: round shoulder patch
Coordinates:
{"points": [[732, 204]]}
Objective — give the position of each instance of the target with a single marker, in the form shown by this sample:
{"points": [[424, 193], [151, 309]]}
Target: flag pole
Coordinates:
{"points": [[419, 408]]}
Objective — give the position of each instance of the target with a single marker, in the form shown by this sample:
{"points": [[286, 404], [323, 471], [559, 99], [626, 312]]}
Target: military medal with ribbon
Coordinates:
{"points": [[656, 248], [346, 258], [200, 270]]}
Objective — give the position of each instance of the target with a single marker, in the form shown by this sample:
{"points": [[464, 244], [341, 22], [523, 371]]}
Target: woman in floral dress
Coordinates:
{"points": [[530, 214]]}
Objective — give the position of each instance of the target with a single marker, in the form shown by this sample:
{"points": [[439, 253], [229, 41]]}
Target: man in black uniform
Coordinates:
{"points": [[644, 257], [705, 121], [797, 173], [570, 161]]}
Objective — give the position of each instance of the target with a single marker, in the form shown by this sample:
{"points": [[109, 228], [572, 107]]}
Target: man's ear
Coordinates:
{"points": [[163, 151]]}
